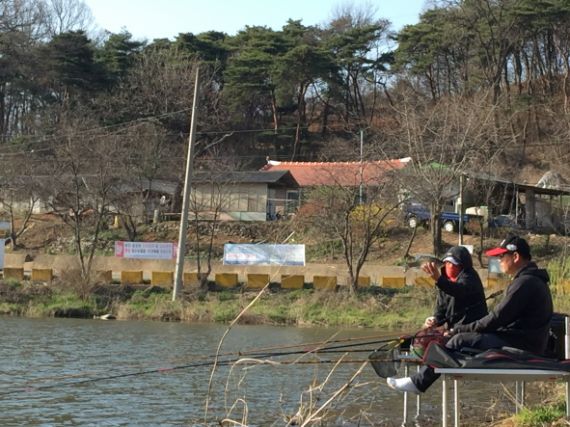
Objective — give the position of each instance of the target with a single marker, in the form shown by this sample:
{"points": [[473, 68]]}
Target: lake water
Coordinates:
{"points": [[54, 373]]}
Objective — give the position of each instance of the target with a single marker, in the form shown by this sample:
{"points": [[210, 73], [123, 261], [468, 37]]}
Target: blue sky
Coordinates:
{"points": [[166, 18]]}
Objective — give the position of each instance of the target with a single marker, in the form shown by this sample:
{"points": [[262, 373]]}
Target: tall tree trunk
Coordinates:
{"points": [[274, 112]]}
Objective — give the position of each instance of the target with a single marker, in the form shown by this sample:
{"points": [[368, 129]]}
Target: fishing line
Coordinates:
{"points": [[346, 348], [179, 367], [264, 352]]}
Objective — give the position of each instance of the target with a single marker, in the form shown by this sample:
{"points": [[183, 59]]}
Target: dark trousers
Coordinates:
{"points": [[426, 376]]}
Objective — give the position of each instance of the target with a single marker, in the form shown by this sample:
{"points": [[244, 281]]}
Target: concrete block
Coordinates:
{"points": [[227, 280], [192, 279], [162, 278], [257, 281], [14, 273], [292, 281], [131, 277], [327, 283], [395, 282], [42, 274]]}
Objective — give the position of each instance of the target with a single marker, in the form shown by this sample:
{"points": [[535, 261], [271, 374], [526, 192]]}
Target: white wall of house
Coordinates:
{"points": [[238, 202], [22, 206]]}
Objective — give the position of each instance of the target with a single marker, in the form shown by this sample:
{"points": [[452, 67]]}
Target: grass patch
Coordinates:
{"points": [[12, 283], [10, 308], [65, 304], [544, 415]]}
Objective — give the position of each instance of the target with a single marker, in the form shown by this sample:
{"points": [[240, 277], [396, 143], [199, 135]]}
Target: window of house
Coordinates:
{"points": [[292, 203]]}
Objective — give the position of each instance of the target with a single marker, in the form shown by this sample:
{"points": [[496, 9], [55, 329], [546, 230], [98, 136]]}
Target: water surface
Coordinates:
{"points": [[54, 374]]}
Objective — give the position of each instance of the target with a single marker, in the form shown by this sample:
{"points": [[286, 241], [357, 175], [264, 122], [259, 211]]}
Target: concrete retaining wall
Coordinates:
{"points": [[159, 272]]}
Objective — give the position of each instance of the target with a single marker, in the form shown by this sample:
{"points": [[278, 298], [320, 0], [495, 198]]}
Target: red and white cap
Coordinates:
{"points": [[511, 244]]}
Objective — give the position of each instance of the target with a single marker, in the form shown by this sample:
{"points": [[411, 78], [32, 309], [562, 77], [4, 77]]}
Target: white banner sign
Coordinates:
{"points": [[248, 254], [145, 250]]}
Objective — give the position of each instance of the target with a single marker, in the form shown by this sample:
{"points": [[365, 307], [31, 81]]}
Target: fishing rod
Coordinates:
{"points": [[305, 347], [238, 357], [248, 361], [346, 348], [315, 344], [266, 352]]}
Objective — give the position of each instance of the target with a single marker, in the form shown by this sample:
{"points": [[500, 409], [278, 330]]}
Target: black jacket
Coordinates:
{"points": [[523, 316], [463, 301]]}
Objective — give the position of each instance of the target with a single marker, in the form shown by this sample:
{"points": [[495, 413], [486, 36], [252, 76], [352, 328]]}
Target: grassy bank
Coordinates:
{"points": [[380, 308]]}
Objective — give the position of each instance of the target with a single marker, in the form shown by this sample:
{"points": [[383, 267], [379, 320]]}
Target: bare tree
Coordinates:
{"points": [[207, 202], [19, 192], [147, 155], [213, 193], [444, 142], [83, 178], [338, 211], [61, 16]]}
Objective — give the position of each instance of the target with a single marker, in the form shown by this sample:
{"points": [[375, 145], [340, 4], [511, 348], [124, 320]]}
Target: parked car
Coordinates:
{"points": [[417, 214], [506, 221]]}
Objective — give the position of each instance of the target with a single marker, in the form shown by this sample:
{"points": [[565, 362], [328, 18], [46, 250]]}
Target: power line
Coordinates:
{"points": [[43, 139]]}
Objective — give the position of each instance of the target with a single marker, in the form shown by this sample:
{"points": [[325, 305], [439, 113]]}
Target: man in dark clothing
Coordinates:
{"points": [[521, 319], [460, 298]]}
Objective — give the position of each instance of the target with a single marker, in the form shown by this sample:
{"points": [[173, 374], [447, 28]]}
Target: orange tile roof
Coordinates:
{"points": [[347, 174]]}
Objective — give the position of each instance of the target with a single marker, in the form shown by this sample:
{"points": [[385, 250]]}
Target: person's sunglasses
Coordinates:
{"points": [[502, 255]]}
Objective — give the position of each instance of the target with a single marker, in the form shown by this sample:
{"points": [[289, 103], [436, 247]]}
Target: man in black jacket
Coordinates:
{"points": [[460, 298], [521, 319]]}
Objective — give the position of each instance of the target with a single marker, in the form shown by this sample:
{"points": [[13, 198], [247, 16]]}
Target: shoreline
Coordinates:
{"points": [[379, 308]]}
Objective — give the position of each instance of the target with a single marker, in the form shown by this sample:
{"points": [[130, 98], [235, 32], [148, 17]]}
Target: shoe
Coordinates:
{"points": [[405, 385]]}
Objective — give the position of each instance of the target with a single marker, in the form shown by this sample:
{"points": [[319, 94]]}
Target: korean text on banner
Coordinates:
{"points": [[248, 254], [145, 250]]}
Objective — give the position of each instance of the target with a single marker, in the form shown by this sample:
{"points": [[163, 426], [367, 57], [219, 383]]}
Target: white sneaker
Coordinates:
{"points": [[402, 384]]}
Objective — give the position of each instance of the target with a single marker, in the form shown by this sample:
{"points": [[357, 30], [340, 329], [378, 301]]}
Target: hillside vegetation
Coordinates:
{"points": [[475, 86]]}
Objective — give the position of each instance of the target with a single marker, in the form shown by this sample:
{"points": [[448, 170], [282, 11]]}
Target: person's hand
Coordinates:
{"points": [[430, 321], [431, 269], [449, 333]]}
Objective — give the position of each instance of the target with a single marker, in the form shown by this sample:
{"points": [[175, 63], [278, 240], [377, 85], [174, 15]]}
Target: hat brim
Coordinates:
{"points": [[451, 260], [496, 251]]}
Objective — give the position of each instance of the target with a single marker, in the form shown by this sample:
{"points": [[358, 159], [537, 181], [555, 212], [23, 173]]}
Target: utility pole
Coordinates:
{"points": [[461, 225], [360, 190], [186, 195]]}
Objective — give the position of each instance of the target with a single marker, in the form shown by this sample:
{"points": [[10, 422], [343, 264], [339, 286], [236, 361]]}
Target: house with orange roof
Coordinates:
{"points": [[241, 195], [345, 174]]}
